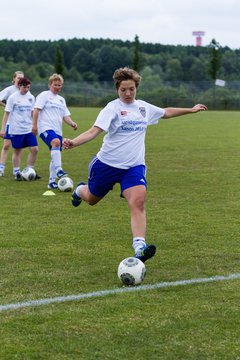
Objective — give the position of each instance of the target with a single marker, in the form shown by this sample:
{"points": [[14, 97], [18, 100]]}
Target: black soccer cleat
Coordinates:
{"points": [[76, 200], [147, 252]]}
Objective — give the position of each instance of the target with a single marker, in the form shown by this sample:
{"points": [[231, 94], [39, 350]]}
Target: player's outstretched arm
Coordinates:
{"points": [[173, 112], [83, 138], [70, 122]]}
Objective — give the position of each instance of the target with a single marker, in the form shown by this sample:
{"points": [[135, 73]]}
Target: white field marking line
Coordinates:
{"points": [[61, 299]]}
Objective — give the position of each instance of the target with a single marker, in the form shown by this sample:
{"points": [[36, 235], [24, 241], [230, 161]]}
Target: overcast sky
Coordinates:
{"points": [[155, 21]]}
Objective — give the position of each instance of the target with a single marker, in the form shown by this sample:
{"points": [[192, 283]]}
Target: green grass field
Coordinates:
{"points": [[50, 249]]}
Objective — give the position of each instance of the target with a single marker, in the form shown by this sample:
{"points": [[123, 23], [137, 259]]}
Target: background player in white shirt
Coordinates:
{"points": [[121, 158], [18, 113], [49, 113], [4, 95]]}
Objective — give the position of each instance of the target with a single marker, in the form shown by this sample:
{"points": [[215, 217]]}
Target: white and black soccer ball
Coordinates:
{"points": [[28, 174], [65, 184], [131, 271]]}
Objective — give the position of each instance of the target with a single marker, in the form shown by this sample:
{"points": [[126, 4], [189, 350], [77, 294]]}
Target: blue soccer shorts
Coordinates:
{"points": [[102, 177], [48, 135], [7, 136], [23, 140]]}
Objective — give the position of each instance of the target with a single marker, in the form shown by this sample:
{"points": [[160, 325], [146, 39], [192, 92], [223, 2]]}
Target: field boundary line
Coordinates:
{"points": [[101, 293]]}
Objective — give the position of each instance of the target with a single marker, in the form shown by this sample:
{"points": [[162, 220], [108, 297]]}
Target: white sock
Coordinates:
{"points": [[16, 170], [138, 244], [52, 172], [56, 158], [78, 189]]}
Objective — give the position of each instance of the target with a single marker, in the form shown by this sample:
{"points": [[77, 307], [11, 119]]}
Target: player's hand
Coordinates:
{"points": [[74, 126], [67, 144], [34, 130], [2, 134], [199, 107]]}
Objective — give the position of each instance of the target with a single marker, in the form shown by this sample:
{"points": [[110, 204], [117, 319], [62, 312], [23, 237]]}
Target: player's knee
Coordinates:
{"points": [[55, 143], [140, 204], [34, 150], [6, 146], [137, 203], [92, 200]]}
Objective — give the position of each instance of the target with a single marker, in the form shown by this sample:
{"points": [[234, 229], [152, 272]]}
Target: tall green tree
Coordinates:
{"points": [[215, 59], [59, 62], [136, 54]]}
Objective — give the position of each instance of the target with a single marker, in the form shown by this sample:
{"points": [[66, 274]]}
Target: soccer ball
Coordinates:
{"points": [[28, 174], [131, 271], [65, 184]]}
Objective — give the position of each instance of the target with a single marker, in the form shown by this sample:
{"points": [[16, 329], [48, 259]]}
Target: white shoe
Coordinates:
{"points": [[1, 173]]}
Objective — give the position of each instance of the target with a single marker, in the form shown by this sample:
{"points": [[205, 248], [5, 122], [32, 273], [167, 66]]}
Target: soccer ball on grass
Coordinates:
{"points": [[65, 184], [28, 174], [131, 271]]}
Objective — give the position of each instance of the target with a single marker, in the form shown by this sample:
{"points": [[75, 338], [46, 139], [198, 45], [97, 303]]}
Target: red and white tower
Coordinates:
{"points": [[198, 35]]}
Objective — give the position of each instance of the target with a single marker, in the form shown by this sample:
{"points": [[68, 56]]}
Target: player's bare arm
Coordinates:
{"points": [[83, 138], [173, 112], [4, 122], [68, 120], [35, 121]]}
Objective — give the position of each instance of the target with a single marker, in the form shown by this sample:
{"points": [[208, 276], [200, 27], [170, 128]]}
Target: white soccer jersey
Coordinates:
{"points": [[124, 144], [53, 109], [5, 93], [20, 109]]}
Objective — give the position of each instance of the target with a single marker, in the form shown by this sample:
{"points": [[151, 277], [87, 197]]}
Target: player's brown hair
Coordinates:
{"points": [[126, 73]]}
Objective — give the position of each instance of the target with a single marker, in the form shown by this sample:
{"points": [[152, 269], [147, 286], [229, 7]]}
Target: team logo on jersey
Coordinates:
{"points": [[123, 112], [142, 111]]}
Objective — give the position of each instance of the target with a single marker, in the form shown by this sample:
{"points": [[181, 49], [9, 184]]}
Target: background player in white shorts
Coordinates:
{"points": [[121, 158]]}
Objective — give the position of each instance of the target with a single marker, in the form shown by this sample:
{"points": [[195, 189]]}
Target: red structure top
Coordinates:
{"points": [[198, 35]]}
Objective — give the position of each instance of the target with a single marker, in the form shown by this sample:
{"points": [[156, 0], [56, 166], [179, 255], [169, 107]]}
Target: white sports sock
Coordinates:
{"points": [[52, 172], [138, 244], [78, 189], [56, 158], [16, 170]]}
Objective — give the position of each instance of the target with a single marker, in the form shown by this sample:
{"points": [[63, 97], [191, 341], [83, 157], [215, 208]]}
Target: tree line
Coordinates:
{"points": [[93, 61], [96, 59]]}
